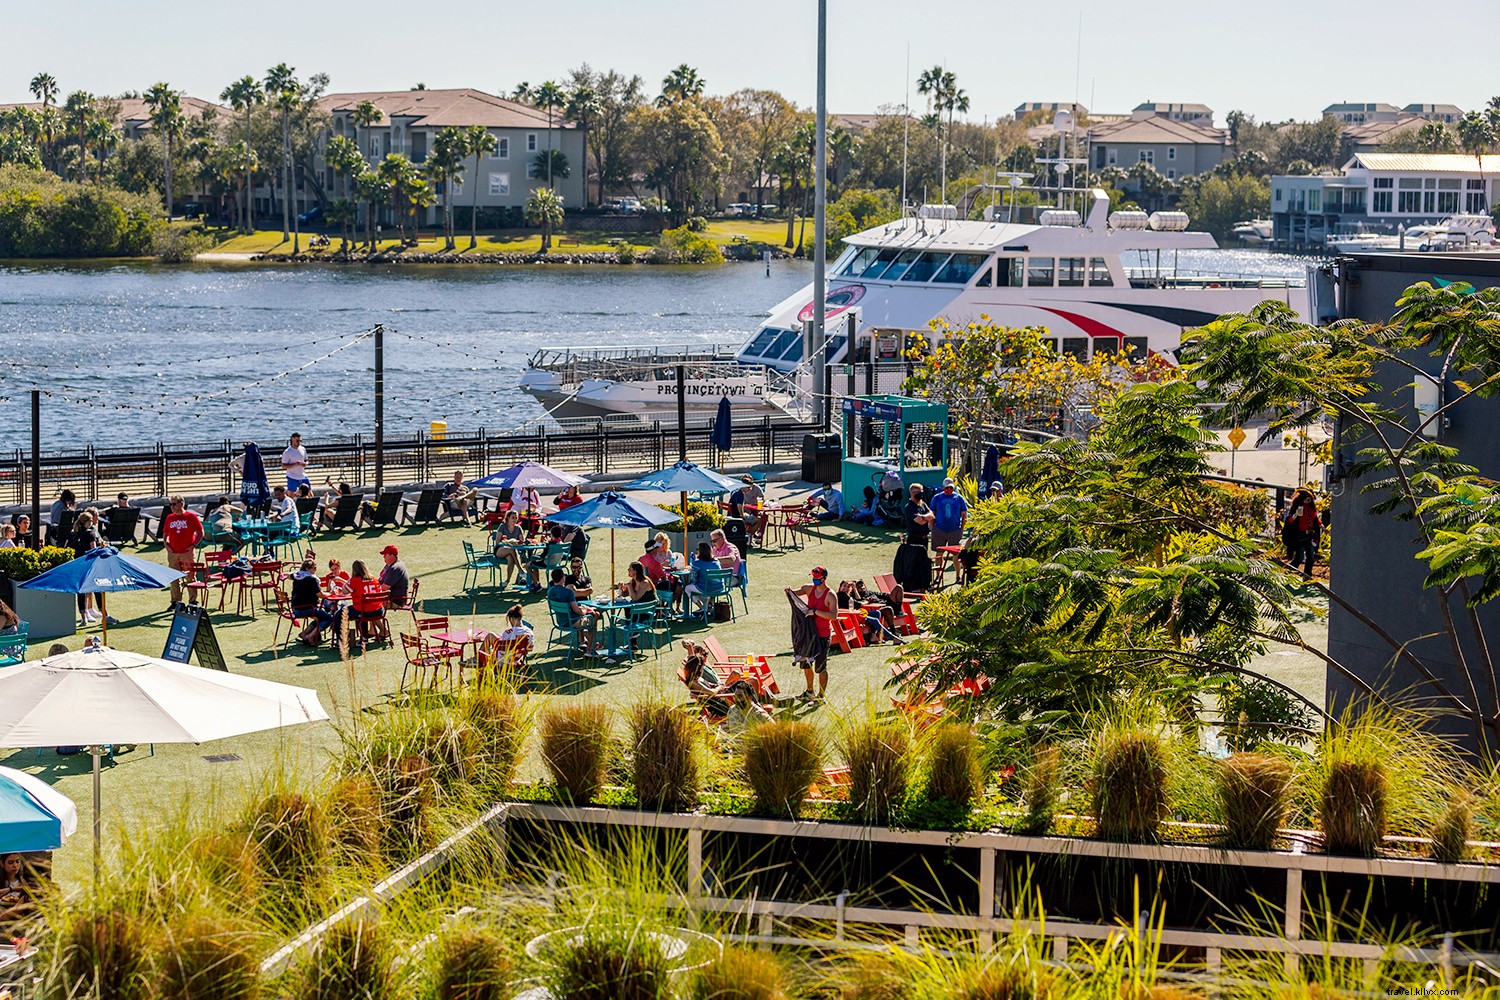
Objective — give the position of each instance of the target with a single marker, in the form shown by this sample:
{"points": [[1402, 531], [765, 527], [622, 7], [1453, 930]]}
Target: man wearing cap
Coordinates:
{"points": [[949, 513], [394, 577], [822, 608], [748, 495], [916, 518], [831, 500], [181, 530]]}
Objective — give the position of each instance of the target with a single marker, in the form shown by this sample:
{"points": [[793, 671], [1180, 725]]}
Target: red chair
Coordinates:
{"points": [[264, 579], [370, 603], [418, 658]]}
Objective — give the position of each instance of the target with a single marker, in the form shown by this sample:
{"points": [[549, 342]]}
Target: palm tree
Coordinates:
{"points": [[840, 153], [101, 136], [521, 93], [583, 107], [445, 165], [397, 174], [941, 89], [477, 142], [682, 84], [1476, 135], [343, 213], [283, 90], [78, 108], [419, 194], [366, 115], [244, 159], [549, 97], [544, 208], [168, 121], [44, 88], [242, 95], [553, 163], [343, 155], [371, 190]]}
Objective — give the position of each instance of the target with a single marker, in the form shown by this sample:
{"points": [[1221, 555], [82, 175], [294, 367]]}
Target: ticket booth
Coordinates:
{"points": [[900, 434]]}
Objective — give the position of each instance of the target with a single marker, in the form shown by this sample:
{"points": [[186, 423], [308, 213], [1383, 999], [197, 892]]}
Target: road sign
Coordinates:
{"points": [[1237, 437]]}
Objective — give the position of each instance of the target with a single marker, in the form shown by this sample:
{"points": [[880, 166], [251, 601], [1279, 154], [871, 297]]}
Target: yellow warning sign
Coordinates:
{"points": [[1237, 437]]}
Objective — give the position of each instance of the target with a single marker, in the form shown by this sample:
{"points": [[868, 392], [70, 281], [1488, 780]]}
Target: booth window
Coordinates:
{"points": [[877, 267]]}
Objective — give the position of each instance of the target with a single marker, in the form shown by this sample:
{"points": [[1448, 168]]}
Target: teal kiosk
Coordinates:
{"points": [[899, 434]]}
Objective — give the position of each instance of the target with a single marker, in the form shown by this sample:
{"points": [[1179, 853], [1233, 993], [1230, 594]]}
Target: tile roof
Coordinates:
{"points": [[134, 110], [1161, 108], [441, 108], [1156, 129], [1380, 106]]}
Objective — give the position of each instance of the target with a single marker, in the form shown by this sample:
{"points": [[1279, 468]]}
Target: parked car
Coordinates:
{"points": [[312, 215], [740, 210]]}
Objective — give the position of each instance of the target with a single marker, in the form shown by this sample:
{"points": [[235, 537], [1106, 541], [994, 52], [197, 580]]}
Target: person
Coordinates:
{"points": [[19, 887], [822, 608], [637, 586], [580, 619], [331, 502], [539, 560], [306, 594], [744, 711], [23, 531], [505, 539], [697, 587], [65, 502], [672, 560], [725, 551], [744, 502], [336, 584], [531, 501], [950, 512], [831, 500], [363, 602], [394, 577], [516, 627], [86, 538], [122, 502], [701, 680], [10, 622], [1301, 531], [569, 497], [579, 580], [7, 536], [457, 496], [865, 513], [220, 524], [916, 517], [283, 507], [997, 490], [294, 464]]}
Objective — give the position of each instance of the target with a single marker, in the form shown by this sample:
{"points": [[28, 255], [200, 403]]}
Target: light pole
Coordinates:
{"points": [[820, 234]]}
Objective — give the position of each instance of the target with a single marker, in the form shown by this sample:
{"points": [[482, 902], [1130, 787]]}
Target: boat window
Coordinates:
{"points": [[1070, 272], [762, 342], [882, 261], [1099, 275], [1106, 345], [1076, 346], [961, 267], [1039, 272], [792, 338], [1011, 276], [986, 279], [1049, 344], [1136, 347], [898, 268], [858, 264], [924, 267], [835, 348]]}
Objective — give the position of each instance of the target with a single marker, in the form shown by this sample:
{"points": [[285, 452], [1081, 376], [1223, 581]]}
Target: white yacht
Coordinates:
{"points": [[1253, 232], [1066, 273], [1458, 232]]}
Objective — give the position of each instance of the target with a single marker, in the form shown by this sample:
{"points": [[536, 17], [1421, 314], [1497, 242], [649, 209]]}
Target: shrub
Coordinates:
{"points": [[1252, 791], [877, 754], [1129, 785], [1453, 831], [499, 727], [626, 253], [575, 748], [682, 245], [1015, 979], [611, 962], [209, 959], [352, 962], [664, 767], [23, 564], [697, 224], [701, 516], [781, 761], [42, 215], [472, 965], [1043, 782], [740, 974], [954, 772], [105, 954], [354, 820], [406, 803], [179, 246], [291, 844], [1352, 808]]}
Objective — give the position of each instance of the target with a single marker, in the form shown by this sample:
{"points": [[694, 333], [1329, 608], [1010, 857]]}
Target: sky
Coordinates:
{"points": [[1276, 59]]}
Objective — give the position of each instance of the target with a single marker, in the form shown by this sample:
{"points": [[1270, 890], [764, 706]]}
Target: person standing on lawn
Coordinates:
{"points": [[294, 464], [181, 531], [950, 512], [823, 608]]}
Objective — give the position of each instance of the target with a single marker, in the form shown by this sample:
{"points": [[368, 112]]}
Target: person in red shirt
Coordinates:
{"points": [[823, 608], [181, 530], [569, 497]]}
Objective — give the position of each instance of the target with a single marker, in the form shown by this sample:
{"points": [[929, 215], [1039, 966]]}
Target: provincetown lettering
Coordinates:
{"points": [[710, 389]]}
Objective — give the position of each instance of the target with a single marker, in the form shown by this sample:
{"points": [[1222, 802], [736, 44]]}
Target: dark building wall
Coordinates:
{"points": [[1373, 564]]}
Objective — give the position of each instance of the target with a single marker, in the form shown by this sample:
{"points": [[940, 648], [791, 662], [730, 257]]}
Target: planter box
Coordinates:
{"points": [[50, 613], [694, 537]]}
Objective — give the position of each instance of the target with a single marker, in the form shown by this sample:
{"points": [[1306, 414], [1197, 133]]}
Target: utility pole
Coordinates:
{"points": [[36, 469], [820, 226], [379, 408]]}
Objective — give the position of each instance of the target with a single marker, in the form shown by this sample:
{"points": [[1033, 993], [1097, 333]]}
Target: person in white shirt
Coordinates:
{"points": [[283, 507], [832, 502], [745, 712], [8, 536], [294, 464], [516, 628]]}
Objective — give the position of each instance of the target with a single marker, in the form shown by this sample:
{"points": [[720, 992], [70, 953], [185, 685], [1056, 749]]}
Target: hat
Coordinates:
{"points": [[653, 545], [947, 482], [747, 478], [390, 550], [819, 571]]}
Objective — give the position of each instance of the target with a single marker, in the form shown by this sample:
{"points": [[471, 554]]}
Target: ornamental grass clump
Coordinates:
{"points": [[106, 954], [1043, 785], [575, 748], [1352, 808], [500, 725], [1129, 784], [610, 961], [781, 760], [291, 846], [1014, 979], [354, 820], [352, 962], [665, 747], [473, 965], [406, 803], [740, 974], [208, 958], [955, 772], [1253, 792], [1453, 830], [878, 753]]}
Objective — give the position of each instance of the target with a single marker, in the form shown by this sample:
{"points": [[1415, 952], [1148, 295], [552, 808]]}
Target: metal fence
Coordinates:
{"points": [[593, 448]]}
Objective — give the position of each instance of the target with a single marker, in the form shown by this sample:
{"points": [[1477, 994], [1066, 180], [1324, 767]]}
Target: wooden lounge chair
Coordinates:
{"points": [[426, 508], [385, 510]]}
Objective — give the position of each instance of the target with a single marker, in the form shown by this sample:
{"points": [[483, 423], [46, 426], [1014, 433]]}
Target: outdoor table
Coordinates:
{"points": [[942, 566], [614, 609], [462, 638]]}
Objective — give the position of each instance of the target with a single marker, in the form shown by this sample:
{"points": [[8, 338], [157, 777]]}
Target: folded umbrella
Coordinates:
{"points": [[255, 492], [723, 432]]}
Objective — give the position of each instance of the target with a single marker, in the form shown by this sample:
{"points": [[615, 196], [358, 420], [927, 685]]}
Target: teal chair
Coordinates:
{"points": [[13, 647], [742, 584], [564, 631], [664, 611], [474, 564], [640, 623], [718, 583]]}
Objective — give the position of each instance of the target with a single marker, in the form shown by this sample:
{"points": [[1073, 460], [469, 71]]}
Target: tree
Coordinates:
{"points": [[371, 189], [243, 95], [940, 87], [1316, 142], [167, 121], [521, 93], [769, 119], [583, 108], [682, 153], [544, 208], [1152, 187], [399, 176], [551, 98], [682, 84], [1236, 121], [78, 109], [793, 161], [1218, 204], [44, 88], [552, 163], [477, 142], [282, 91], [1476, 135], [445, 165], [611, 128], [343, 213]]}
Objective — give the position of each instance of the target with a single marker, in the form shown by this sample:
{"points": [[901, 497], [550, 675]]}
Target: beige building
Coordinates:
{"points": [[1175, 148]]}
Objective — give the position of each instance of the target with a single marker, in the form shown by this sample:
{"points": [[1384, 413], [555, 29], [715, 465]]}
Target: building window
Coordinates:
{"points": [[1114, 156], [377, 147], [1410, 201], [502, 148], [1447, 202], [1171, 174], [1474, 197], [532, 171], [500, 185], [531, 142], [1276, 193], [1381, 202], [1148, 156], [1429, 201], [1171, 152], [1314, 200]]}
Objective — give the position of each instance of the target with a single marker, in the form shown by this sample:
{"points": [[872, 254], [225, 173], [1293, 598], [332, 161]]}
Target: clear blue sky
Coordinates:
{"points": [[1276, 59]]}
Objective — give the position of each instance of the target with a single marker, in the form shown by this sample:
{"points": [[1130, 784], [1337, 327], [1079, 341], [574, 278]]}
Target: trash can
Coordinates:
{"points": [[736, 534], [822, 458]]}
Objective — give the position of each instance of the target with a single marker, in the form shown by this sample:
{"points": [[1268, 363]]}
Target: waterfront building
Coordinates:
{"points": [[1448, 114], [1194, 114], [1380, 192], [1174, 147], [1049, 109], [1361, 113]]}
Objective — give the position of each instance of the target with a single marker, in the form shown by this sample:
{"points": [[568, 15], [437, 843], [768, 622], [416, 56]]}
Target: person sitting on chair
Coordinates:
{"points": [[569, 497], [331, 502], [506, 537], [457, 496], [581, 619], [305, 600], [579, 580], [831, 500]]}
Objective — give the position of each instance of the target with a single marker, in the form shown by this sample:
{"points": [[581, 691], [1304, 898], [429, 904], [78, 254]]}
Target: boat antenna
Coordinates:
{"points": [[905, 127]]}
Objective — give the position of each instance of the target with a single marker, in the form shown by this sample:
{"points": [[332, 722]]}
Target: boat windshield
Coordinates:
{"points": [[860, 261], [960, 268]]}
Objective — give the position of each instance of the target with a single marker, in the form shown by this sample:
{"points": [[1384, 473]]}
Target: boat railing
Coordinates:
{"points": [[1150, 278], [640, 362]]}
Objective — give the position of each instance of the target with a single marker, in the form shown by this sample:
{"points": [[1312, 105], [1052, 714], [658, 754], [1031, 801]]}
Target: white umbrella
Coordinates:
{"points": [[100, 695]]}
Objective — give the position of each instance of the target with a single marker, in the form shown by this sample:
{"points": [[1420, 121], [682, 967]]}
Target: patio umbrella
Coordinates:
{"points": [[103, 570], [684, 477], [254, 491], [723, 432], [991, 470], [533, 474], [34, 816], [613, 510], [100, 695]]}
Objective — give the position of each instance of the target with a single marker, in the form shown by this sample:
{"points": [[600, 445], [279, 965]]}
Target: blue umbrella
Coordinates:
{"points": [[723, 435], [103, 571], [33, 815], [991, 471], [254, 491], [683, 477], [613, 510], [532, 474]]}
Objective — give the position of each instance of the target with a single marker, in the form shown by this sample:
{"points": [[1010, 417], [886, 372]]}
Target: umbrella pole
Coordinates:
{"points": [[611, 564], [94, 752], [685, 556]]}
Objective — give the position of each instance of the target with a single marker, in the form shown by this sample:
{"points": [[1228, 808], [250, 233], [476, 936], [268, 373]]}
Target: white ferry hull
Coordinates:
{"points": [[648, 398]]}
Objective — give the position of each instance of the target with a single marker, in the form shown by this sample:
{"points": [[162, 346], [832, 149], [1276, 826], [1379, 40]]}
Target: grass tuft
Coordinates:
{"points": [[740, 974], [780, 761], [406, 803], [611, 962], [354, 820], [1353, 806], [352, 962], [878, 754], [1129, 786], [955, 773], [665, 768], [1453, 830], [1013, 979], [1253, 790], [1043, 785], [473, 965], [500, 727], [291, 845], [106, 954], [208, 958], [575, 748]]}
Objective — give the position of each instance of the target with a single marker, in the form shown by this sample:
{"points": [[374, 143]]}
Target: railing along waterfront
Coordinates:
{"points": [[594, 448]]}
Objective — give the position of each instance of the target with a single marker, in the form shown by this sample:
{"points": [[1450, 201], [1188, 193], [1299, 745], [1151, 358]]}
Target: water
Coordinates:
{"points": [[136, 353]]}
